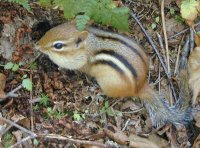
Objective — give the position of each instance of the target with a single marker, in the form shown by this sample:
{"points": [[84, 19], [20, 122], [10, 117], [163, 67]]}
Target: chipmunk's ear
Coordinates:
{"points": [[83, 35]]}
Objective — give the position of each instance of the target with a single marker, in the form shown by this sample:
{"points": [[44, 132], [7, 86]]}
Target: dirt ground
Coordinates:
{"points": [[67, 108]]}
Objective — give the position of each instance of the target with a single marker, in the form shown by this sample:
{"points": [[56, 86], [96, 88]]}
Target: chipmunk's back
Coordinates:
{"points": [[119, 64]]}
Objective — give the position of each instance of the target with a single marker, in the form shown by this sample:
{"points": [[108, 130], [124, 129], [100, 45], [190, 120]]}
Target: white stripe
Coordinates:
{"points": [[107, 57]]}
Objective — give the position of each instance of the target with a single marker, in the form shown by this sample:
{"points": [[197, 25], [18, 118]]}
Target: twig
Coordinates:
{"points": [[183, 31], [166, 46], [157, 53], [11, 93], [21, 141], [18, 126], [59, 137], [178, 55], [126, 124], [160, 40], [191, 39], [159, 84], [7, 129], [31, 104], [165, 35]]}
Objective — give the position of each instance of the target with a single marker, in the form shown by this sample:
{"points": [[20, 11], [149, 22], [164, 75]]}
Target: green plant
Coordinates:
{"points": [[12, 66], [154, 25], [101, 11], [24, 3], [32, 65], [7, 140], [51, 113], [44, 100], [27, 83], [78, 116], [35, 142], [109, 110]]}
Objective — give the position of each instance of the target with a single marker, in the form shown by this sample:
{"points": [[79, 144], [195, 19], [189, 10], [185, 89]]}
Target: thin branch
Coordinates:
{"points": [[19, 127], [191, 39], [183, 31], [31, 104], [21, 141], [160, 40], [11, 93], [178, 55], [165, 35], [77, 141], [157, 53]]}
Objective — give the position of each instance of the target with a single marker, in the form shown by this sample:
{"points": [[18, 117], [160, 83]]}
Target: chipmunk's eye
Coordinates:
{"points": [[58, 45]]}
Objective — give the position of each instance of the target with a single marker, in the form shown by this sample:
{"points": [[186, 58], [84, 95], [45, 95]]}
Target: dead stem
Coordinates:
{"points": [[11, 93], [157, 53]]}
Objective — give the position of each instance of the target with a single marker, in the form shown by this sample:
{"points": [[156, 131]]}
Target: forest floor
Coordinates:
{"points": [[67, 108]]}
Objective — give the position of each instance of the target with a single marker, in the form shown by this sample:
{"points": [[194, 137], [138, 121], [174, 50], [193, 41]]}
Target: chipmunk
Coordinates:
{"points": [[117, 62]]}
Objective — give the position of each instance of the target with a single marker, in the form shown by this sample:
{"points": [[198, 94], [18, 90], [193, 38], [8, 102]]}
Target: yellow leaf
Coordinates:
{"points": [[189, 9]]}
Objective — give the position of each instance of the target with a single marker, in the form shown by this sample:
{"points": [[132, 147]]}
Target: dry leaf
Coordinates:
{"points": [[2, 85], [173, 27], [194, 81], [139, 142], [189, 10], [197, 39], [197, 119], [118, 136], [196, 142]]}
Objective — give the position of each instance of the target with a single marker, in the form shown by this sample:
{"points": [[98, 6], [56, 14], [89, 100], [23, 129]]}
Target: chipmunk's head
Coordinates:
{"points": [[65, 46]]}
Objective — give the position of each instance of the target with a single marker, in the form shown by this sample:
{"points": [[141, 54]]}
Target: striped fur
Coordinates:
{"points": [[117, 62]]}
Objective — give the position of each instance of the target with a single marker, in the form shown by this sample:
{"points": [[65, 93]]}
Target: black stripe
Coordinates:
{"points": [[124, 43], [121, 59], [111, 64]]}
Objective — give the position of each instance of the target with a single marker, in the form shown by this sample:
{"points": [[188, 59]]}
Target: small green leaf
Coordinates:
{"points": [[24, 76], [35, 142], [110, 112], [106, 105], [45, 2], [81, 21], [77, 116], [27, 84], [118, 113], [9, 65], [198, 32], [15, 67], [44, 100], [157, 19], [172, 11], [32, 65], [153, 25]]}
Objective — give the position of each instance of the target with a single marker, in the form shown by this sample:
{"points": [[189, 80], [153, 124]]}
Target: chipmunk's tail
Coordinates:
{"points": [[161, 112]]}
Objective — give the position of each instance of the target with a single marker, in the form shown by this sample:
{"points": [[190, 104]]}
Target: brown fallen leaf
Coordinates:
{"points": [[117, 136], [2, 85], [139, 142], [194, 65], [196, 142], [197, 118]]}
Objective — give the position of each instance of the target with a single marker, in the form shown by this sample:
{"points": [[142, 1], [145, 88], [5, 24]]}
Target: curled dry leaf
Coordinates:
{"points": [[2, 85], [194, 81]]}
